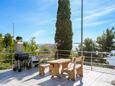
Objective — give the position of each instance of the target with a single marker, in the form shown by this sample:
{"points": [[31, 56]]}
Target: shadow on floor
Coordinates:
{"points": [[9, 75], [32, 75], [62, 82], [48, 81]]}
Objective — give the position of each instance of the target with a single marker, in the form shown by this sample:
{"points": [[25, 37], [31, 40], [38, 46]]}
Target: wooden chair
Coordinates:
{"points": [[74, 69], [79, 66]]}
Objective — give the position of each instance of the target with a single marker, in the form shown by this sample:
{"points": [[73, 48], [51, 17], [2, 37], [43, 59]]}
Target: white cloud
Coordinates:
{"points": [[42, 33], [97, 13], [47, 4], [100, 13], [43, 36], [94, 17], [39, 33], [44, 21], [97, 23]]}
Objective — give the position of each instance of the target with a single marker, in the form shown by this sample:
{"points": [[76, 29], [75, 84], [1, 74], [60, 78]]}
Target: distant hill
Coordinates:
{"points": [[51, 46]]}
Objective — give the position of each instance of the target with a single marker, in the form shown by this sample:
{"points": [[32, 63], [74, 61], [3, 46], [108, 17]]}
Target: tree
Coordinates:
{"points": [[30, 46], [101, 40], [89, 45], [33, 44], [8, 41], [1, 42], [26, 46], [109, 40], [105, 41], [63, 35]]}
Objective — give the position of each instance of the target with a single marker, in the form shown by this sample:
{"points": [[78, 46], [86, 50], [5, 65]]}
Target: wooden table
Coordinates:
{"points": [[57, 66]]}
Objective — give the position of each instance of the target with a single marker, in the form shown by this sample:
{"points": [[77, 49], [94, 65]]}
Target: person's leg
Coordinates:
{"points": [[15, 66]]}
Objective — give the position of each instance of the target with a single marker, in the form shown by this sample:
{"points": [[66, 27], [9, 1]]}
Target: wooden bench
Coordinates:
{"points": [[42, 68]]}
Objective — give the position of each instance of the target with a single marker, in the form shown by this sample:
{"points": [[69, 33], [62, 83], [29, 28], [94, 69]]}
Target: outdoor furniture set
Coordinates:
{"points": [[70, 67]]}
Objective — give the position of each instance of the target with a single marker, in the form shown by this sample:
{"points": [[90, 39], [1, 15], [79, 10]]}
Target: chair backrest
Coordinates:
{"points": [[71, 64], [78, 60], [75, 61]]}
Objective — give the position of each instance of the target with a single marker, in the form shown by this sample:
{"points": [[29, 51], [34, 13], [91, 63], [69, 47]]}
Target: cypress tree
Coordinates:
{"points": [[63, 35]]}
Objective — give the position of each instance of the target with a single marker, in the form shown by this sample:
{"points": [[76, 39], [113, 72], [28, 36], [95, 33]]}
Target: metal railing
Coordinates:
{"points": [[91, 58], [8, 57], [100, 59]]}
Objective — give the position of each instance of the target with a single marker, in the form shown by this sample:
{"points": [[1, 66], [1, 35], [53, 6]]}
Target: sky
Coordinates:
{"points": [[37, 18]]}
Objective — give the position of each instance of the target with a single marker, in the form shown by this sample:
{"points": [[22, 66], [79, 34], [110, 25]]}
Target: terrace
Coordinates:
{"points": [[96, 77], [93, 73]]}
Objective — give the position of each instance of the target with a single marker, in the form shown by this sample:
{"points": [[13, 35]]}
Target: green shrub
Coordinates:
{"points": [[5, 60], [5, 65]]}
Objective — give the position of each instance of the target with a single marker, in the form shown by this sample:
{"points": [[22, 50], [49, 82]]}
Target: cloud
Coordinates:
{"points": [[49, 1], [44, 21], [35, 18], [97, 23], [100, 13], [95, 17], [97, 13], [39, 33], [42, 33], [47, 4], [43, 36]]}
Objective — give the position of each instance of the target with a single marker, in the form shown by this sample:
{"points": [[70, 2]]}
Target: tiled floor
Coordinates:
{"points": [[97, 77]]}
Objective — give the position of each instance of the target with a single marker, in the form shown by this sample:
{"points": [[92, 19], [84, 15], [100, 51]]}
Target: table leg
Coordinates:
{"points": [[55, 70]]}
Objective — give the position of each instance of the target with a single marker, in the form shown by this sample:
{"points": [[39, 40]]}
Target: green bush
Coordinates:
{"points": [[5, 65], [5, 60]]}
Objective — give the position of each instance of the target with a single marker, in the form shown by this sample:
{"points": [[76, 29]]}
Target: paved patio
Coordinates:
{"points": [[97, 77]]}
